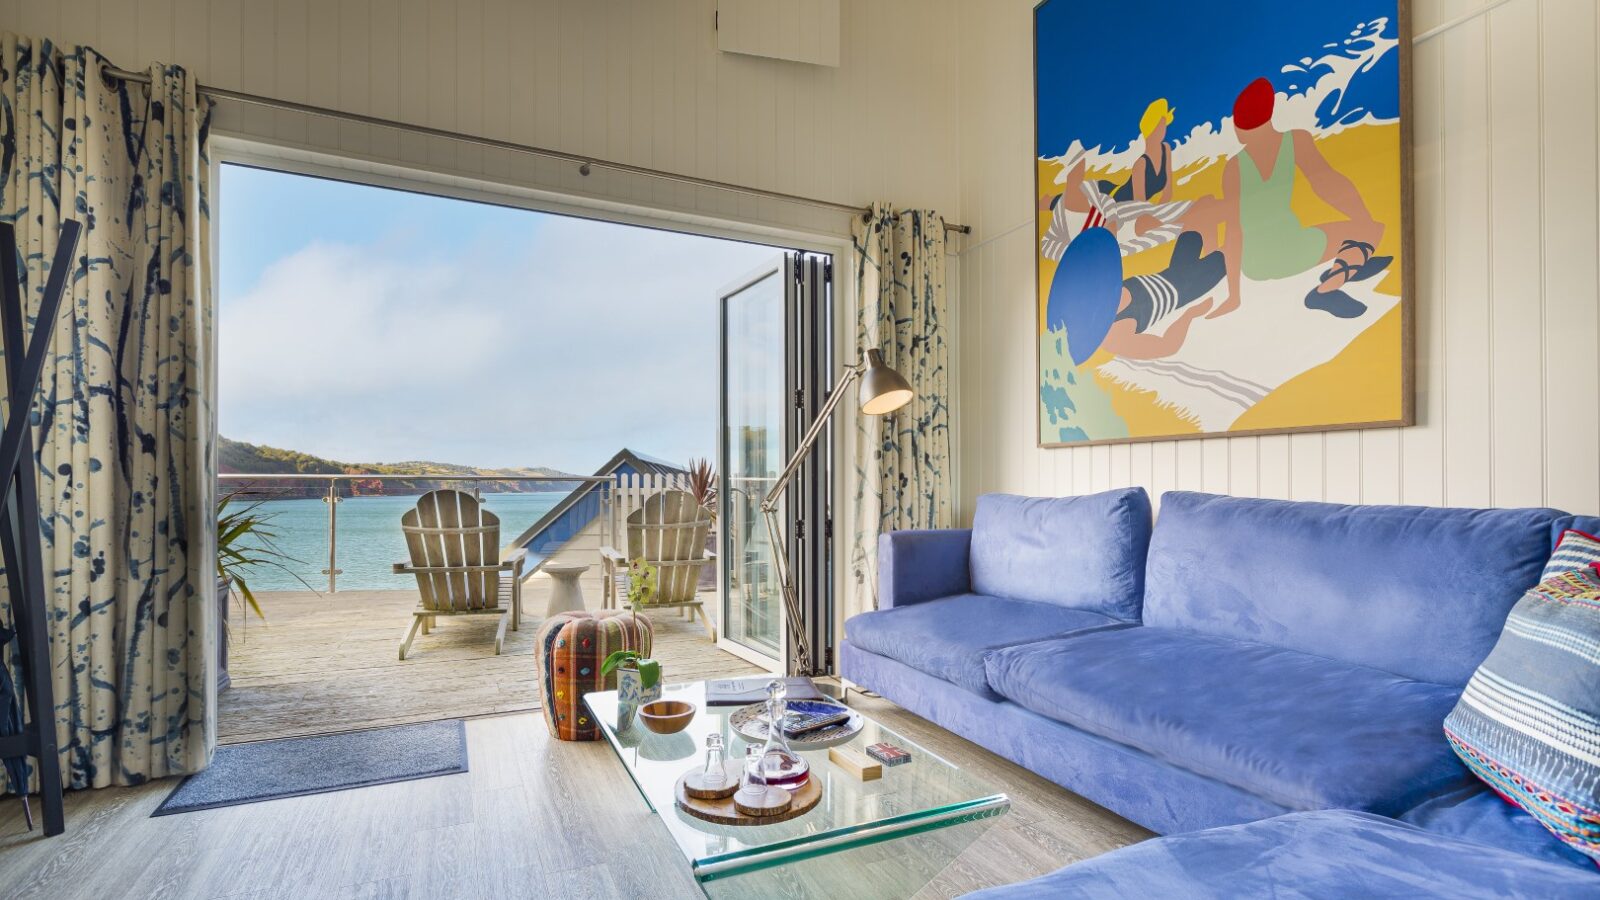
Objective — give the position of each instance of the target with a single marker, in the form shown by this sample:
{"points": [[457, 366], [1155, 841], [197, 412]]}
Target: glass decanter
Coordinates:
{"points": [[782, 766]]}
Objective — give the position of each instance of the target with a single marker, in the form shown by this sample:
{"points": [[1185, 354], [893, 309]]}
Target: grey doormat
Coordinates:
{"points": [[291, 767]]}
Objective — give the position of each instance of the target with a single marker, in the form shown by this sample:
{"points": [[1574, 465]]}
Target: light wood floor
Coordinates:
{"points": [[533, 818], [328, 662]]}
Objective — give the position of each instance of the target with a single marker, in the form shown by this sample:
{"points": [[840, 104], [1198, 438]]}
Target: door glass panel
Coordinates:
{"points": [[752, 439]]}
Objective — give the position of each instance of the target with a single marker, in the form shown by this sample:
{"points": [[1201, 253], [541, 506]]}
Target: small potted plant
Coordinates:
{"points": [[638, 676]]}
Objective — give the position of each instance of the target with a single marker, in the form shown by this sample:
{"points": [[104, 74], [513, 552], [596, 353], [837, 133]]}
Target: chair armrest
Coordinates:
{"points": [[515, 560], [914, 566], [402, 567], [612, 554]]}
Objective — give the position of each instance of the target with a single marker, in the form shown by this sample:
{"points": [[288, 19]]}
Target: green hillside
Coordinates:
{"points": [[237, 457]]}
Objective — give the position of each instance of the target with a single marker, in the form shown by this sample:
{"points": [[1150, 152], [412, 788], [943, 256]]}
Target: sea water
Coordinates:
{"points": [[370, 541]]}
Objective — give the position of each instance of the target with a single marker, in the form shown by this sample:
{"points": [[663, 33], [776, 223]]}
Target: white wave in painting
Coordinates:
{"points": [[1313, 97]]}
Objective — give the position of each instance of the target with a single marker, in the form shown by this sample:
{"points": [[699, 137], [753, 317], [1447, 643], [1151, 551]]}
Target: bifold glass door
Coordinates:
{"points": [[752, 445], [776, 365]]}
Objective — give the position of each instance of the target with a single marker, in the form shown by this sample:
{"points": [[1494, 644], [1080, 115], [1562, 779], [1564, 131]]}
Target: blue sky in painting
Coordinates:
{"points": [[373, 325], [1100, 63]]}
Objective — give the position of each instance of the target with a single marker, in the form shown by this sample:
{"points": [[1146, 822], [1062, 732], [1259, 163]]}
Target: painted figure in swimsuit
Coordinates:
{"points": [[1152, 172], [1139, 330], [1152, 177], [1271, 241]]}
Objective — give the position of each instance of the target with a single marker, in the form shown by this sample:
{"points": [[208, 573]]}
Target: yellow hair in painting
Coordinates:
{"points": [[1157, 113]]}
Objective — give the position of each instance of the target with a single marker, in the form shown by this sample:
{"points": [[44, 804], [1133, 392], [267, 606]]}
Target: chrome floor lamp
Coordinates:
{"points": [[882, 391]]}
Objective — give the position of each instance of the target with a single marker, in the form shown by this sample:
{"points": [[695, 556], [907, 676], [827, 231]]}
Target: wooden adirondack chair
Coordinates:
{"points": [[669, 532], [454, 545]]}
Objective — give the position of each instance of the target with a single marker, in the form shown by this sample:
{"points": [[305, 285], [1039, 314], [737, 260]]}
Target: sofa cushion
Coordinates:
{"points": [[1128, 781], [1421, 592], [1528, 723], [1308, 855], [1084, 552], [1303, 731], [1575, 549], [1476, 813], [947, 638], [1585, 524]]}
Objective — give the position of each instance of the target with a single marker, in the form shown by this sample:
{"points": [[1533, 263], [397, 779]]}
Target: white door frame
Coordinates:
{"points": [[227, 147]]}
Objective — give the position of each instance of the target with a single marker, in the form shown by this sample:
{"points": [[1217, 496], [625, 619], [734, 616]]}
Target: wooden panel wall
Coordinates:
{"points": [[1507, 329], [634, 81]]}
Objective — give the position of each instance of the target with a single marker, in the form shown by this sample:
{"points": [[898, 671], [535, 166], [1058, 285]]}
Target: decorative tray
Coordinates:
{"points": [[749, 722], [726, 809]]}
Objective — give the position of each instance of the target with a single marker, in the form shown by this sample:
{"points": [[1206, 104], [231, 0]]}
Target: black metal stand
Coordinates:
{"points": [[19, 522]]}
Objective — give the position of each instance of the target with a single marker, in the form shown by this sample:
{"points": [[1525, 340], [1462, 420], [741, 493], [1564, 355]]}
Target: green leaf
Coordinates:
{"points": [[649, 673], [616, 659]]}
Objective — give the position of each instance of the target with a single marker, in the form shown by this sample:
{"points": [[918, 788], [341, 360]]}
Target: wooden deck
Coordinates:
{"points": [[328, 662]]}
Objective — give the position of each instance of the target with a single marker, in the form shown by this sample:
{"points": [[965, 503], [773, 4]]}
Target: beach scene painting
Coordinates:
{"points": [[1221, 222]]}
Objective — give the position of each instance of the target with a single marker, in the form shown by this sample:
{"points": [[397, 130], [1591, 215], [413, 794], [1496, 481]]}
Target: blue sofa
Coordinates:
{"points": [[1241, 660]]}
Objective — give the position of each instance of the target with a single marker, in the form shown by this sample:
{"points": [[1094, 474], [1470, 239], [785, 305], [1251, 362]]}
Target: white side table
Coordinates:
{"points": [[566, 595]]}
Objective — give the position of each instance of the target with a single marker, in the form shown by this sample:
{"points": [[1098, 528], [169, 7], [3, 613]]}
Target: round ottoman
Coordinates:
{"points": [[571, 647]]}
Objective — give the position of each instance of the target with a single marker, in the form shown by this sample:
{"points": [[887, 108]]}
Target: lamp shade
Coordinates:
{"points": [[883, 390]]}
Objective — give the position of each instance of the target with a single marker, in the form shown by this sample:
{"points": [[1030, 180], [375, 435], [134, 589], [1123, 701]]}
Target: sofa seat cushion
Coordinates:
{"points": [[1330, 854], [1476, 813], [947, 638], [1303, 731]]}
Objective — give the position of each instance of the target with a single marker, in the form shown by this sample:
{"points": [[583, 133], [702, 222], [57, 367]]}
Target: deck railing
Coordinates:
{"points": [[333, 490]]}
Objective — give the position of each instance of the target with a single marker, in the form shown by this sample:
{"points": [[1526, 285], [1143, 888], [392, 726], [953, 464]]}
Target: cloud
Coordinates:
{"points": [[554, 346]]}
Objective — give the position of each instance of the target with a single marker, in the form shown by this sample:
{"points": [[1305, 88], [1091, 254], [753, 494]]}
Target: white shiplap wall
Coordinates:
{"points": [[1507, 326], [637, 81], [634, 81]]}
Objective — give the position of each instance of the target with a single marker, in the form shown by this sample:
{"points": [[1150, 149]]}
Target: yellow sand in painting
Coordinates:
{"points": [[1361, 384], [1143, 411], [1342, 390]]}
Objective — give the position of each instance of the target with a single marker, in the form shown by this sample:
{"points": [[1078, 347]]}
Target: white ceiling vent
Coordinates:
{"points": [[805, 31]]}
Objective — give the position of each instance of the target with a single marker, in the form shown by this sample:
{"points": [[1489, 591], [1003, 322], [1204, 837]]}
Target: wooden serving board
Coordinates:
{"points": [[723, 812]]}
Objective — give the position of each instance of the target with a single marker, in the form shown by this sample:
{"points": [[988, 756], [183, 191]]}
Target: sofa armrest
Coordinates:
{"points": [[914, 566]]}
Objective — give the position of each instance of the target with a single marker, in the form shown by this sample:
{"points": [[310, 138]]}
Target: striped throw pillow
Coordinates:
{"points": [[1575, 550], [1528, 722]]}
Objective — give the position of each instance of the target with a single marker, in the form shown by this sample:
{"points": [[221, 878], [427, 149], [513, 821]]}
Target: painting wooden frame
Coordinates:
{"points": [[1084, 390]]}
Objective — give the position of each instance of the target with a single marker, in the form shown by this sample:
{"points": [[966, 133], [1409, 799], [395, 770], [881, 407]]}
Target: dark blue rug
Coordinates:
{"points": [[293, 767]]}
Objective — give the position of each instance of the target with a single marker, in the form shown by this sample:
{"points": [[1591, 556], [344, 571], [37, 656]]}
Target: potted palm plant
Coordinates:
{"points": [[245, 541]]}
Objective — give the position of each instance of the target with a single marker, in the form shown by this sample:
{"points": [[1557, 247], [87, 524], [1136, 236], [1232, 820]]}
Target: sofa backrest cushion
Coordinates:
{"points": [[1589, 525], [1418, 591], [1082, 552]]}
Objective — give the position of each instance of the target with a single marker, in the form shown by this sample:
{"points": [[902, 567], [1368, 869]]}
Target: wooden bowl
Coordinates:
{"points": [[666, 716]]}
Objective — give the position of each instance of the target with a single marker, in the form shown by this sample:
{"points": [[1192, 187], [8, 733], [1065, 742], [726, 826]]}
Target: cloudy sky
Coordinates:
{"points": [[369, 325]]}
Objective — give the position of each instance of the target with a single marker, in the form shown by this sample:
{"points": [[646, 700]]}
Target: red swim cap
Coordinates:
{"points": [[1254, 106]]}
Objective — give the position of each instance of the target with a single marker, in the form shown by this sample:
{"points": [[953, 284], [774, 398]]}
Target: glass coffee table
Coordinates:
{"points": [[884, 838]]}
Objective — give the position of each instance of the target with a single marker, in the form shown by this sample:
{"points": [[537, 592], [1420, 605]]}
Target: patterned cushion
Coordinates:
{"points": [[1577, 550], [1528, 723], [571, 647]]}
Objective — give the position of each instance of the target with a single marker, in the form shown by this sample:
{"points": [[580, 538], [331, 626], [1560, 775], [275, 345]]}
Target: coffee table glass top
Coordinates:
{"points": [[925, 794]]}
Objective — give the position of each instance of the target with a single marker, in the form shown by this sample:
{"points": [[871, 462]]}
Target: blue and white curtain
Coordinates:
{"points": [[122, 421], [902, 463]]}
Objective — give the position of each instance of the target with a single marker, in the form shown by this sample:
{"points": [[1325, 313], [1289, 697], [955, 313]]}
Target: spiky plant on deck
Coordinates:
{"points": [[245, 540], [703, 484]]}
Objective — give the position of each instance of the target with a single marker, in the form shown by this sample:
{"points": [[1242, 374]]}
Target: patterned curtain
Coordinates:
{"points": [[902, 460], [122, 421]]}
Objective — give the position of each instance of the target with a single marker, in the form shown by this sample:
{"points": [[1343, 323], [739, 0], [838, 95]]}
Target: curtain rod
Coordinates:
{"points": [[585, 163]]}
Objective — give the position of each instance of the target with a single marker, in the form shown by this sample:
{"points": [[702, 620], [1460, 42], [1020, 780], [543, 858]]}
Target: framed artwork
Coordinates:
{"points": [[1223, 218]]}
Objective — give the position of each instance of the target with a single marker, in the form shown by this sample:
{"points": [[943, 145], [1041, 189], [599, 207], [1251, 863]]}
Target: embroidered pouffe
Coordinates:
{"points": [[571, 648]]}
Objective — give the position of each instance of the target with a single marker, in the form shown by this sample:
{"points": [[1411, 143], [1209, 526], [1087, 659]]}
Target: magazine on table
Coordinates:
{"points": [[744, 691]]}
